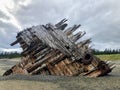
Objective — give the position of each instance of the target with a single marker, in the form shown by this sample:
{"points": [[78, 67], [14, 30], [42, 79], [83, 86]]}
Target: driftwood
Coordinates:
{"points": [[54, 50]]}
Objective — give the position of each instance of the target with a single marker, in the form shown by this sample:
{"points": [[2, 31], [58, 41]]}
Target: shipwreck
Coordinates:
{"points": [[52, 49]]}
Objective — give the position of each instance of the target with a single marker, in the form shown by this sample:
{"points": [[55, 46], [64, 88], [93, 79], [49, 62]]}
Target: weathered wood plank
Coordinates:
{"points": [[53, 49]]}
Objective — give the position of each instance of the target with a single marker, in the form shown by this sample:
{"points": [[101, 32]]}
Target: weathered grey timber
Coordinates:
{"points": [[55, 50]]}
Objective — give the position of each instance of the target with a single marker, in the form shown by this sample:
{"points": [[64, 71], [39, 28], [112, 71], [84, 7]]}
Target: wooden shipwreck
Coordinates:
{"points": [[54, 50]]}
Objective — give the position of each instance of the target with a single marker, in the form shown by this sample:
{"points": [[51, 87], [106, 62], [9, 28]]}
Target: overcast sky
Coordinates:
{"points": [[99, 18]]}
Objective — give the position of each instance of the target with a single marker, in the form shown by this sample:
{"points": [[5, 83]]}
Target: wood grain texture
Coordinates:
{"points": [[53, 49]]}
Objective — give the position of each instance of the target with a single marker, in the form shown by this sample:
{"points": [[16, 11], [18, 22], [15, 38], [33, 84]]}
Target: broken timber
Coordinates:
{"points": [[53, 50]]}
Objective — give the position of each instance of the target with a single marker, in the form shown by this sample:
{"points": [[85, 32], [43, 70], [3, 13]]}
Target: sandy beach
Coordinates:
{"points": [[40, 82]]}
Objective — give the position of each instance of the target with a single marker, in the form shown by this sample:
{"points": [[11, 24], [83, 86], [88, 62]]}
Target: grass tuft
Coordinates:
{"points": [[109, 57]]}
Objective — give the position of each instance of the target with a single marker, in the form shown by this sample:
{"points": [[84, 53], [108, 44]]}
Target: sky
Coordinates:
{"points": [[99, 18]]}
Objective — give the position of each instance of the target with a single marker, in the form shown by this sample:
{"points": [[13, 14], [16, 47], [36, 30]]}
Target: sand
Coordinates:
{"points": [[40, 82]]}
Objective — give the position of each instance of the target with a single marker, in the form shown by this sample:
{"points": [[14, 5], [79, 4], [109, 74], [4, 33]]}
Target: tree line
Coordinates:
{"points": [[9, 55], [96, 52], [106, 51]]}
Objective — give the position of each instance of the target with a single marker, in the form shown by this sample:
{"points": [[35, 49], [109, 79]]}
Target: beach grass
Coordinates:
{"points": [[109, 56]]}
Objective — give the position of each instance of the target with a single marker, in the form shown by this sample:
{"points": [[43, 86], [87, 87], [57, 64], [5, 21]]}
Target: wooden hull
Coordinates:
{"points": [[53, 50]]}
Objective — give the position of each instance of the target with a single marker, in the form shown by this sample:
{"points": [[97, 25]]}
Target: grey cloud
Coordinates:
{"points": [[100, 19], [2, 15], [7, 35]]}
